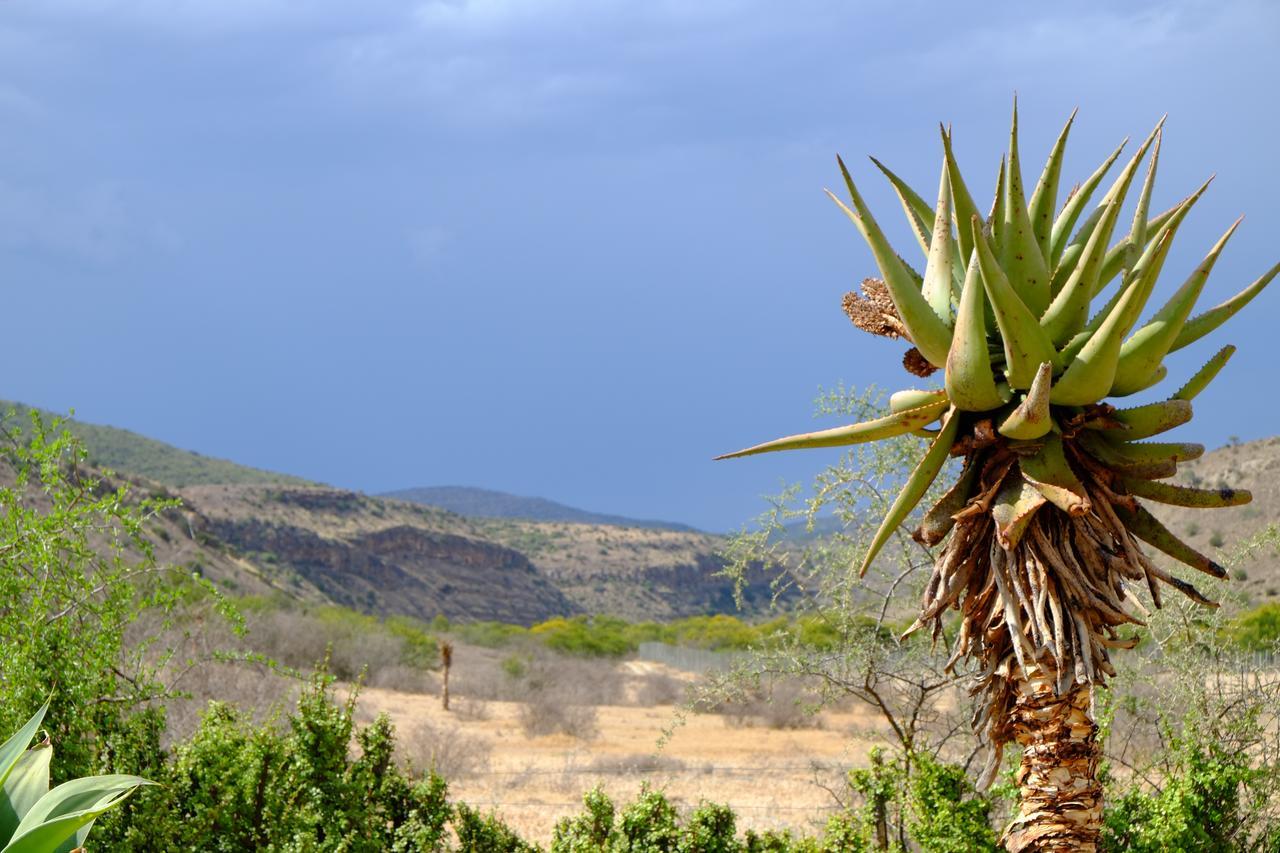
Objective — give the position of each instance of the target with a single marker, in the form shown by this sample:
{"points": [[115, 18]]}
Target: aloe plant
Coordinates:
{"points": [[1042, 533], [35, 819]]}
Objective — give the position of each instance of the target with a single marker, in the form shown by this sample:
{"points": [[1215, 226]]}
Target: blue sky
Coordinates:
{"points": [[571, 248]]}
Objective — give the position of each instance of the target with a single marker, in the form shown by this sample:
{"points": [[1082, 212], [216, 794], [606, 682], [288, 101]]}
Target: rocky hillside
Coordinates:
{"points": [[386, 556], [1220, 533], [486, 503]]}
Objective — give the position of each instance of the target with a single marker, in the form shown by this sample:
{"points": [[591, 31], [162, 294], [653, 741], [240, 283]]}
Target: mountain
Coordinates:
{"points": [[122, 450], [256, 532], [485, 503]]}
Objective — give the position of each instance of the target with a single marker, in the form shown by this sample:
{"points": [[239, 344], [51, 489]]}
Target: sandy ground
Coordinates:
{"points": [[772, 778]]}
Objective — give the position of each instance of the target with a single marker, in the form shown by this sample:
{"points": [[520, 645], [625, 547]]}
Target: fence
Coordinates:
{"points": [[687, 659]]}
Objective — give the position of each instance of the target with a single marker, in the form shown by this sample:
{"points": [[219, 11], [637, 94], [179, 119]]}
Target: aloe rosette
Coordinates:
{"points": [[1045, 531]]}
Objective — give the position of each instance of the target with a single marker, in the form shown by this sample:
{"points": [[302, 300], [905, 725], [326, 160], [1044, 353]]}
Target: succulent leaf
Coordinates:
{"points": [[1051, 475], [1149, 529], [961, 198], [1205, 374], [873, 430], [1044, 197], [1076, 204], [1174, 495], [916, 209], [969, 381], [1026, 346], [917, 484], [914, 398], [930, 335], [1012, 510], [1152, 419], [1197, 327], [1020, 252], [942, 256], [1031, 419], [1142, 354]]}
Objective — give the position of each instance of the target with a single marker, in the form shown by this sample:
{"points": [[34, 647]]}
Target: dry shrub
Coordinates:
{"points": [[252, 688], [470, 708], [783, 705], [546, 712], [444, 749], [658, 689], [634, 764]]}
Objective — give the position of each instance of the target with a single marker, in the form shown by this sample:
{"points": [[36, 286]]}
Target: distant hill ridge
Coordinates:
{"points": [[122, 450], [487, 503]]}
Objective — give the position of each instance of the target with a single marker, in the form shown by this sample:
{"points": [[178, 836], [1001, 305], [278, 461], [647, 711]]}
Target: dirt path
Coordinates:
{"points": [[772, 778]]}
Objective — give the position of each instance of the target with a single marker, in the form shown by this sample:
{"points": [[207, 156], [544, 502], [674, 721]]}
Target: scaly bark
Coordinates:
{"points": [[1060, 796]]}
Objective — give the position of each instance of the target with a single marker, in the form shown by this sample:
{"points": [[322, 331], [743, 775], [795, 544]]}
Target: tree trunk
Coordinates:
{"points": [[1061, 798]]}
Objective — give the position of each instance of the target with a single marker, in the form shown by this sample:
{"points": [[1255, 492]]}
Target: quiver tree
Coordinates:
{"points": [[446, 663], [1044, 534]]}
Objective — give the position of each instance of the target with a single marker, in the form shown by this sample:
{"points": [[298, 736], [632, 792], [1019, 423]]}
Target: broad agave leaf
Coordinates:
{"points": [[1045, 527], [34, 819]]}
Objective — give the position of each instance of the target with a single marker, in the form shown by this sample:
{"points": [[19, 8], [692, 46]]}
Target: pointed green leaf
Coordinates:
{"points": [[961, 199], [1089, 376], [1138, 230], [12, 749], [61, 814], [942, 255], [1045, 196], [969, 380], [886, 427], [915, 208], [1051, 475], [995, 217], [1067, 314], [1118, 255], [27, 783], [917, 484], [1205, 374], [1174, 495], [1075, 205], [914, 398], [1144, 351], [1020, 253], [1070, 260], [1197, 327], [1031, 418], [930, 335], [1146, 527], [1145, 421], [1026, 346]]}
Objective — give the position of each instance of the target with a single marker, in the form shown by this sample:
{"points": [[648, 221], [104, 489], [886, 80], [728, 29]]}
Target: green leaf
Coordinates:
{"points": [[1044, 197], [27, 783], [961, 199], [12, 749], [886, 427], [65, 813], [1142, 354], [917, 484], [970, 383], [930, 335], [1075, 205], [1020, 255], [1205, 374], [1201, 325], [1026, 346]]}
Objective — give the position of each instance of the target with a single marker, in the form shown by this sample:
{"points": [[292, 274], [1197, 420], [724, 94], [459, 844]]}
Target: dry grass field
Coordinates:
{"points": [[773, 777]]}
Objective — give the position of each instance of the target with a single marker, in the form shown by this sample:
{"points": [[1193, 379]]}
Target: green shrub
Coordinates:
{"points": [[1257, 629]]}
